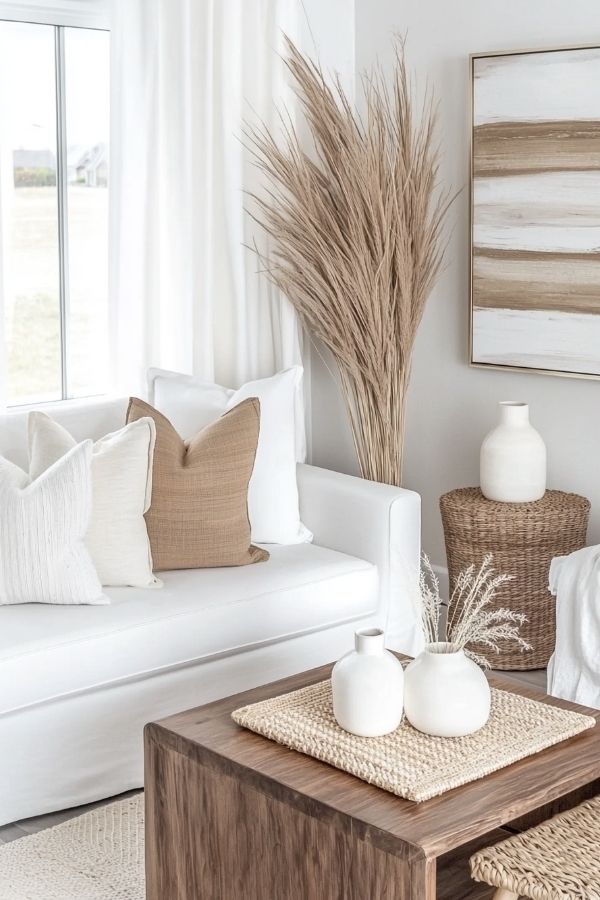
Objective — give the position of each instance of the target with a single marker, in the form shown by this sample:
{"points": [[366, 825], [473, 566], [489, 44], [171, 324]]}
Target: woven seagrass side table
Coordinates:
{"points": [[524, 538]]}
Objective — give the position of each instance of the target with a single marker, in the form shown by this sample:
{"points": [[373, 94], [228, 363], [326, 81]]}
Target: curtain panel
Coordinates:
{"points": [[186, 290]]}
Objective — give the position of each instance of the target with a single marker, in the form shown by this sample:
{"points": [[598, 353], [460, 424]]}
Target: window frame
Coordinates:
{"points": [[92, 16]]}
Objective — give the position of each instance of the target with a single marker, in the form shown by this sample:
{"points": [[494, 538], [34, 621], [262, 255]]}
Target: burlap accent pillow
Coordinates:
{"points": [[198, 514]]}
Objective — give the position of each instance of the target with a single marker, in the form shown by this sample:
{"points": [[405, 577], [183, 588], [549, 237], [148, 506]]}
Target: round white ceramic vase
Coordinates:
{"points": [[513, 458], [445, 693], [367, 687]]}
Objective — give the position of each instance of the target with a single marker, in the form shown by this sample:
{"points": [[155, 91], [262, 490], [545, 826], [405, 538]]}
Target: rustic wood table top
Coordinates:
{"points": [[209, 736]]}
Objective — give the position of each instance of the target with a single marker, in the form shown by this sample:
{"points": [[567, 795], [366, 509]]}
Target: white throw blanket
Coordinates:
{"points": [[574, 668]]}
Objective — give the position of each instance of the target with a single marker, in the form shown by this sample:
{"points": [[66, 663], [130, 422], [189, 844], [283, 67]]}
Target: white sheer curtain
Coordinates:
{"points": [[185, 292]]}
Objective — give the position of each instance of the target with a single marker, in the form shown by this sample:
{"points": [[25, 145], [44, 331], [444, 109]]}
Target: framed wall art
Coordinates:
{"points": [[535, 211]]}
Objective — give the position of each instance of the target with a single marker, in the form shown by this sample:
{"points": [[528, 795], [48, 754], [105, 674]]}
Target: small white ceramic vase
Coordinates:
{"points": [[367, 687], [513, 458], [445, 693]]}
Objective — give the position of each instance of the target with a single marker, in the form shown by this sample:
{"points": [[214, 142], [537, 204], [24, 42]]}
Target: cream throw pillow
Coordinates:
{"points": [[117, 538], [273, 503], [43, 558]]}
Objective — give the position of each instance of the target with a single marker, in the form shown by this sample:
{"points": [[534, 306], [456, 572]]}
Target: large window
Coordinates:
{"points": [[54, 131]]}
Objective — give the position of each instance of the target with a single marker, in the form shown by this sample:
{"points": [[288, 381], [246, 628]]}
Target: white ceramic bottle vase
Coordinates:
{"points": [[513, 458], [445, 693], [367, 687]]}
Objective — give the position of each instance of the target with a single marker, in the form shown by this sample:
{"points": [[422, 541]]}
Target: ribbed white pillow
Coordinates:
{"points": [[43, 558], [117, 538], [190, 405]]}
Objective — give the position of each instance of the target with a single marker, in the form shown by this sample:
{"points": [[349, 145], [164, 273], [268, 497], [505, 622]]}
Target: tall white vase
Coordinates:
{"points": [[445, 693], [513, 458], [367, 687]]}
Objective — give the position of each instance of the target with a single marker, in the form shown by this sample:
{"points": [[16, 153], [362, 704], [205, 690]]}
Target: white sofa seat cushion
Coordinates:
{"points": [[47, 653]]}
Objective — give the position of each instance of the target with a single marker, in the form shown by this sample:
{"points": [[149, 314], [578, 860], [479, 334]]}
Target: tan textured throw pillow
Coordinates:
{"points": [[198, 515]]}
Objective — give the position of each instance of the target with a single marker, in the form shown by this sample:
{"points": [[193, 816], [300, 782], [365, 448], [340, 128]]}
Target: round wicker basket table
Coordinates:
{"points": [[523, 538]]}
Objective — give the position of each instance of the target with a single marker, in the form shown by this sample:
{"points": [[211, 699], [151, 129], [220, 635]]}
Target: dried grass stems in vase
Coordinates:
{"points": [[356, 228], [470, 619]]}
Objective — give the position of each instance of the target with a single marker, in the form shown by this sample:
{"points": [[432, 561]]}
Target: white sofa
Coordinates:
{"points": [[77, 684]]}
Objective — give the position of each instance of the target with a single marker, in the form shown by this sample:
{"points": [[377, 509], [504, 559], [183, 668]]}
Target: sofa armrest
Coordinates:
{"points": [[376, 522]]}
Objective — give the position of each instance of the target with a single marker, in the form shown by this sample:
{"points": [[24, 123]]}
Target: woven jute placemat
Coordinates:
{"points": [[406, 762]]}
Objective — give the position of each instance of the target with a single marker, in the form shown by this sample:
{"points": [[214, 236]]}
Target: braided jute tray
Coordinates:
{"points": [[407, 763]]}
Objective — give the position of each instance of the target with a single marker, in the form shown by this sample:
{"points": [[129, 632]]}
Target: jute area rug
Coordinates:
{"points": [[96, 856]]}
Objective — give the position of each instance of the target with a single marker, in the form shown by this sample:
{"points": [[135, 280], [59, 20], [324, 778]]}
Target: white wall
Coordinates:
{"points": [[327, 33], [451, 406]]}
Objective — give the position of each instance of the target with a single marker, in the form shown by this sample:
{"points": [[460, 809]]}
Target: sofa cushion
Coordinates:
{"points": [[43, 524], [51, 652], [117, 538], [198, 516], [191, 404]]}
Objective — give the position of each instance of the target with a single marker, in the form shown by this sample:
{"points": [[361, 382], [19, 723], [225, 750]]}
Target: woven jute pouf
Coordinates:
{"points": [[558, 859], [523, 538]]}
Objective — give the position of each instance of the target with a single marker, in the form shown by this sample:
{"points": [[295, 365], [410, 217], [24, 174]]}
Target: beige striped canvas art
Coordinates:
{"points": [[535, 211]]}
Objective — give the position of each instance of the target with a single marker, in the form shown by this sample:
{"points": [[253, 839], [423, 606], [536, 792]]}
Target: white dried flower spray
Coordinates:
{"points": [[470, 619]]}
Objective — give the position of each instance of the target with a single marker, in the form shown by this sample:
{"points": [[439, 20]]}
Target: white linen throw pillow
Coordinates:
{"points": [[43, 558], [117, 538], [190, 404]]}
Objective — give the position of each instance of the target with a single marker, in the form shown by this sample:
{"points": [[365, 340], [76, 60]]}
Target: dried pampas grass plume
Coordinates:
{"points": [[471, 618], [356, 228]]}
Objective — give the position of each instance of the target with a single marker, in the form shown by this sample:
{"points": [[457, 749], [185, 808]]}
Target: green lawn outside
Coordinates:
{"points": [[32, 301]]}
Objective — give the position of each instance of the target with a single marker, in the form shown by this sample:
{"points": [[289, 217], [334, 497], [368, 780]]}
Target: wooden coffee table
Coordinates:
{"points": [[233, 816]]}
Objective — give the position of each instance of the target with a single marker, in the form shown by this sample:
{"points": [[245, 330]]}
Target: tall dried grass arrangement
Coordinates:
{"points": [[356, 227]]}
